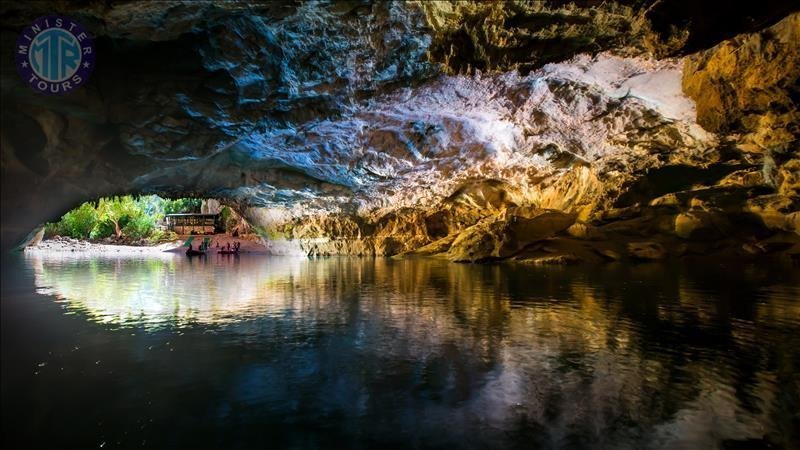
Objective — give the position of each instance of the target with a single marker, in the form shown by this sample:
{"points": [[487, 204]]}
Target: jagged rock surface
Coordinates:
{"points": [[432, 128]]}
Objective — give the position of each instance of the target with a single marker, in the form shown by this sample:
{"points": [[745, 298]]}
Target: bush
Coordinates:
{"points": [[272, 234], [159, 236], [102, 230], [183, 205], [79, 222], [138, 227], [225, 219], [135, 218], [152, 205], [52, 229]]}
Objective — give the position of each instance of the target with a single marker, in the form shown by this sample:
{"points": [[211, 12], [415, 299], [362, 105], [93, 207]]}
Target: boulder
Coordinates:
{"points": [[700, 225], [647, 251], [585, 231], [506, 233], [556, 260], [608, 254], [32, 239]]}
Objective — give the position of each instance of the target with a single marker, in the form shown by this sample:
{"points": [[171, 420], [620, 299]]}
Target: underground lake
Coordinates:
{"points": [[400, 224], [236, 352]]}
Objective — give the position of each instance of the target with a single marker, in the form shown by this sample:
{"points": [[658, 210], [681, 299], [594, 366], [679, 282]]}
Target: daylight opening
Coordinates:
{"points": [[148, 220]]}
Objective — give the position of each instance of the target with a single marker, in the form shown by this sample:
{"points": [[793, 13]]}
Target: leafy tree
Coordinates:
{"points": [[183, 205], [226, 218], [139, 227], [124, 216], [152, 205], [79, 222], [102, 230], [117, 210]]}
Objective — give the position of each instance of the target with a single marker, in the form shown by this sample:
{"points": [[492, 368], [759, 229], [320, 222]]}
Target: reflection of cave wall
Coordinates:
{"points": [[340, 115], [521, 348]]}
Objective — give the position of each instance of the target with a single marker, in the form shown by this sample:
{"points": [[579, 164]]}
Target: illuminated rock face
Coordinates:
{"points": [[386, 128]]}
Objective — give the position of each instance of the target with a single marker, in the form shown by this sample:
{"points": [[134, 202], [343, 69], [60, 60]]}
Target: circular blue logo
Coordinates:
{"points": [[54, 55]]}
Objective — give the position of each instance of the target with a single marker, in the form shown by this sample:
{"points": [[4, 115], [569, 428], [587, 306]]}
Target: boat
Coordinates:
{"points": [[227, 252], [201, 249]]}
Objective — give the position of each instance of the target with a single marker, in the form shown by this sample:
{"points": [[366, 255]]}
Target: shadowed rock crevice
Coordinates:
{"points": [[25, 135], [525, 35]]}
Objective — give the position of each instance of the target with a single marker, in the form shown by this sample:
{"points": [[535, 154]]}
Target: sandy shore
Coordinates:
{"points": [[249, 244]]}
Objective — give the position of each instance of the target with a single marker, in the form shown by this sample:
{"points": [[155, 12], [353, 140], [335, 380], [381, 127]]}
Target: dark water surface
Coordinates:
{"points": [[261, 352]]}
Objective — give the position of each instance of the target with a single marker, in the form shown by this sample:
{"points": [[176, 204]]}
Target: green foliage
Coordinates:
{"points": [[52, 229], [118, 211], [79, 222], [102, 230], [152, 205], [183, 205], [227, 218], [288, 230], [159, 236], [271, 234], [139, 227], [124, 217]]}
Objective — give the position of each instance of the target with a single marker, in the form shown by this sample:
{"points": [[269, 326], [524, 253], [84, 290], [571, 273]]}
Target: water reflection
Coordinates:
{"points": [[165, 289], [419, 353]]}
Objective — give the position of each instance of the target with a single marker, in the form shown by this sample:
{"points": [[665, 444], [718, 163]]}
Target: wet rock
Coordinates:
{"points": [[436, 247], [776, 212], [752, 249], [33, 239], [505, 234], [793, 221], [647, 251], [608, 254], [585, 231], [557, 260], [778, 243], [701, 225]]}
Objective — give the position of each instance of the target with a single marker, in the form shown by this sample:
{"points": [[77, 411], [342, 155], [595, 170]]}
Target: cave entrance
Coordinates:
{"points": [[144, 220]]}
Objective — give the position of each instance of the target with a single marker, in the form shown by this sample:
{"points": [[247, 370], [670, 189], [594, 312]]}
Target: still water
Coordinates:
{"points": [[267, 352]]}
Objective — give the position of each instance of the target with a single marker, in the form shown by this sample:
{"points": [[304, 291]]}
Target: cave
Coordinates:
{"points": [[410, 224]]}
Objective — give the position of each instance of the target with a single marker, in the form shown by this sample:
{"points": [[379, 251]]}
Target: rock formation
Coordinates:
{"points": [[552, 133]]}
